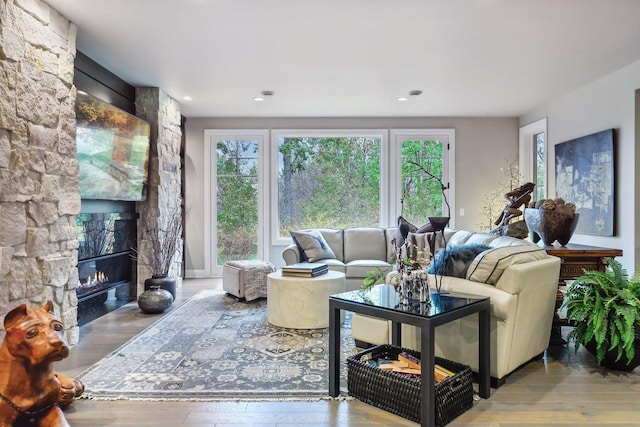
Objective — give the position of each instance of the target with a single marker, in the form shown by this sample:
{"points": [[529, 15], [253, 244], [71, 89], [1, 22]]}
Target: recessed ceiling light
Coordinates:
{"points": [[187, 98], [263, 95], [403, 98]]}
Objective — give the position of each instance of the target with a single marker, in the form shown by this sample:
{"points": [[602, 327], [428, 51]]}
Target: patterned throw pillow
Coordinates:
{"points": [[312, 245], [418, 242]]}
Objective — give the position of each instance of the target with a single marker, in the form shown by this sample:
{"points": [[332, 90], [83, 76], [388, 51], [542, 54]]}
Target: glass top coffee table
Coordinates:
{"points": [[382, 302]]}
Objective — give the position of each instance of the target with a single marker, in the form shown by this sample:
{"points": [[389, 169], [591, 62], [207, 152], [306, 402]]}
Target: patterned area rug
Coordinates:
{"points": [[215, 348]]}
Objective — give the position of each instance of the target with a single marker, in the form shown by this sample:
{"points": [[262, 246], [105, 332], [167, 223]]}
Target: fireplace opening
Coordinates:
{"points": [[106, 268], [98, 275]]}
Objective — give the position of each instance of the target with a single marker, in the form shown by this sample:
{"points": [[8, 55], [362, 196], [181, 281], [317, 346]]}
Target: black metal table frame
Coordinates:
{"points": [[427, 327]]}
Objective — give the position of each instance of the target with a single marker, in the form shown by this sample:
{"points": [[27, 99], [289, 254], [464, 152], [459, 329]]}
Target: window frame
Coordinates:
{"points": [[448, 165], [276, 134], [390, 182], [211, 137], [527, 152]]}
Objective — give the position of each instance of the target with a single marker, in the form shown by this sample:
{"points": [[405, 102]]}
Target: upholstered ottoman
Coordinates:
{"points": [[302, 302], [246, 278]]}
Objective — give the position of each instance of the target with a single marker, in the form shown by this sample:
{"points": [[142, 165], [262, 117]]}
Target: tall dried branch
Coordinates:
{"points": [[164, 237]]}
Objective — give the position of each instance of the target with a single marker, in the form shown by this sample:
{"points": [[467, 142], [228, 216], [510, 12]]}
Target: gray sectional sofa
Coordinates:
{"points": [[520, 278], [352, 251]]}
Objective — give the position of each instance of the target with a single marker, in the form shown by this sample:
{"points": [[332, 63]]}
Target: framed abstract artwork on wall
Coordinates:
{"points": [[585, 176]]}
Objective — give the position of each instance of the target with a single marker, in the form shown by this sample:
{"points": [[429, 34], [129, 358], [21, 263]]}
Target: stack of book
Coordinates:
{"points": [[305, 269]]}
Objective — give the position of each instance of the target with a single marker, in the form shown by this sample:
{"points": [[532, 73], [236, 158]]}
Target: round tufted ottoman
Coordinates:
{"points": [[301, 302]]}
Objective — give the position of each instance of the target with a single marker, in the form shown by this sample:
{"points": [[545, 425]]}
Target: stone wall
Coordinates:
{"points": [[39, 188], [165, 178]]}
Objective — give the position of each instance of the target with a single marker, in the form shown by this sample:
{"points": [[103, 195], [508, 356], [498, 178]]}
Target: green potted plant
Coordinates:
{"points": [[604, 307]]}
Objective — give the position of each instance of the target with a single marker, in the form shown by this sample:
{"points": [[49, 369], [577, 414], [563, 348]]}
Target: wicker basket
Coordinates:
{"points": [[400, 395]]}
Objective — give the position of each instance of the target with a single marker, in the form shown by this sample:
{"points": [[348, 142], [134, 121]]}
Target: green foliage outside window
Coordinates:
{"points": [[422, 194], [331, 182], [237, 200], [328, 182]]}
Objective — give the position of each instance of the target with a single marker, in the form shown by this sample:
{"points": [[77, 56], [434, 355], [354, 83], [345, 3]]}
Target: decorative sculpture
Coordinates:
{"points": [[551, 220], [31, 392], [517, 197]]}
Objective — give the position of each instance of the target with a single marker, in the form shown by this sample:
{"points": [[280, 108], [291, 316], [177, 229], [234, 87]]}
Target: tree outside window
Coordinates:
{"points": [[421, 194], [328, 182], [237, 199]]}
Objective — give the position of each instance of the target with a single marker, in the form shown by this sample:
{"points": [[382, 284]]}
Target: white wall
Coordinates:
{"points": [[607, 103], [483, 146]]}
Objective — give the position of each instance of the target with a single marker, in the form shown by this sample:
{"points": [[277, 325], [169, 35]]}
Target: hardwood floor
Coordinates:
{"points": [[562, 389]]}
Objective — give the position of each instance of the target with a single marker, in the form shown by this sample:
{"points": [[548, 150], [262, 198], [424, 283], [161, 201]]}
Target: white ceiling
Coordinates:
{"points": [[331, 58]]}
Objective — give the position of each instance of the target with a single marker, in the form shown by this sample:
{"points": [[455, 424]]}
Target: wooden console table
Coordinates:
{"points": [[574, 259]]}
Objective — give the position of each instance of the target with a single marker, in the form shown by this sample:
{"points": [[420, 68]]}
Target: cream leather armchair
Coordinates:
{"points": [[522, 306]]}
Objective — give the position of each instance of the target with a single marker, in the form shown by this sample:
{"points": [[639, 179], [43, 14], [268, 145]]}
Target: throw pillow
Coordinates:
{"points": [[405, 227], [488, 267], [456, 260], [418, 242], [312, 245], [427, 228]]}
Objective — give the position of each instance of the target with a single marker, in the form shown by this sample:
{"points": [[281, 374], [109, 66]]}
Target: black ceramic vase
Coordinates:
{"points": [[164, 282], [155, 300]]}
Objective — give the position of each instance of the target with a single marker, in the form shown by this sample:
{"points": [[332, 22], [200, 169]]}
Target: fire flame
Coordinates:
{"points": [[97, 279]]}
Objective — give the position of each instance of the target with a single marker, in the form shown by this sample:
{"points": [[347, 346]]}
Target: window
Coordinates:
{"points": [[317, 178], [235, 196], [237, 199], [425, 160], [540, 153], [327, 179], [422, 193], [533, 156]]}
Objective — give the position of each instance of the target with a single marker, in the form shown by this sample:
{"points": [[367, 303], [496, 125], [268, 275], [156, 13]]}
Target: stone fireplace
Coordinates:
{"points": [[39, 187], [42, 250]]}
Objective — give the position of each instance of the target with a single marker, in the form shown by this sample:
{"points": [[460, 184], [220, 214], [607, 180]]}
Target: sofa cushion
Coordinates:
{"points": [[361, 268], [501, 241], [481, 239], [312, 245], [455, 261], [459, 238], [335, 265], [364, 243], [489, 265]]}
